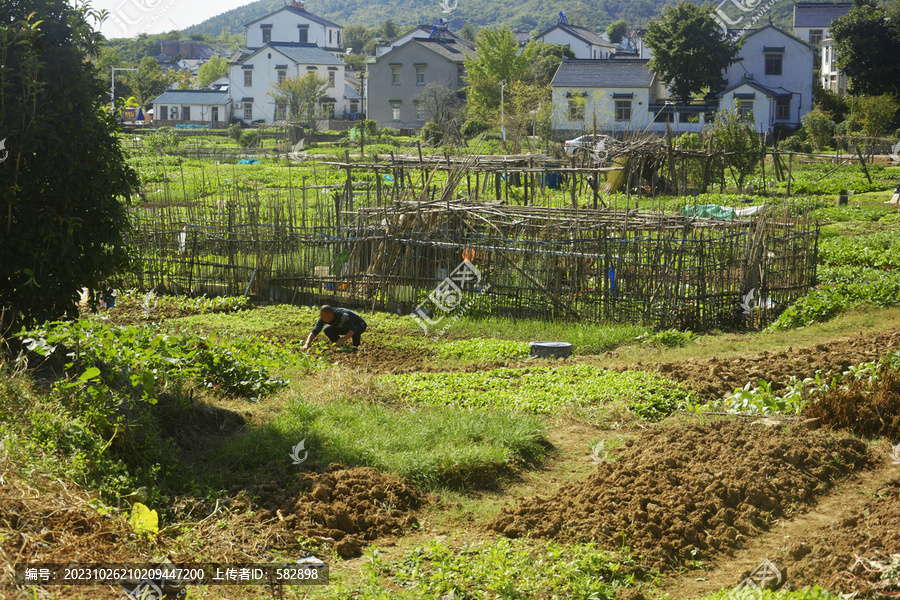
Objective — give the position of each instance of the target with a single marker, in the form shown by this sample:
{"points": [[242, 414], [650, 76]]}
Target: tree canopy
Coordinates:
{"points": [[299, 95], [64, 182], [213, 69], [689, 52], [498, 59], [867, 45]]}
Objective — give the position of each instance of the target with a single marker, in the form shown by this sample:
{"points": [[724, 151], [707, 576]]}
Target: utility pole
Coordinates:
{"points": [[112, 101], [502, 120]]}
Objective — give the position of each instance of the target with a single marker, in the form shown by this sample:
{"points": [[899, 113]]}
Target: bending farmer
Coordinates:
{"points": [[341, 324]]}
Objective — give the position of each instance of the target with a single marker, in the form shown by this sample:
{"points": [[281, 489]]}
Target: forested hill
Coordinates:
{"points": [[526, 15]]}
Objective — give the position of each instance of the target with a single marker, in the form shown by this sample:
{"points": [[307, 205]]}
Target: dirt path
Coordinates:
{"points": [[789, 541]]}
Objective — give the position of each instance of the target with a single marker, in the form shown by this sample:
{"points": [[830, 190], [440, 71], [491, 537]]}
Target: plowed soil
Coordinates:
{"points": [[691, 492], [345, 507], [829, 556], [377, 358], [717, 377]]}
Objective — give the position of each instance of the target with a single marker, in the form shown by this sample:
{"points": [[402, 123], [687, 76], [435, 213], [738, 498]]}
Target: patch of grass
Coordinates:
{"points": [[498, 569], [433, 446], [813, 593], [671, 338], [544, 390]]}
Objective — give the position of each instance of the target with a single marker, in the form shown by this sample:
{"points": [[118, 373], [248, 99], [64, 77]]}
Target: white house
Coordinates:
{"points": [[812, 20], [253, 73], [774, 78], [832, 78], [619, 94], [192, 107], [584, 43], [293, 24]]}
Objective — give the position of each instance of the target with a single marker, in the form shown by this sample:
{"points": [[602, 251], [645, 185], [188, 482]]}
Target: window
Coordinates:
{"points": [[248, 111], [267, 35], [815, 36], [623, 110], [329, 36], [420, 112], [281, 75], [783, 109], [689, 117], [576, 109], [664, 117], [461, 75], [163, 112], [304, 34], [331, 79], [420, 74], [395, 111], [248, 78], [745, 109], [773, 64], [328, 110], [395, 74], [339, 39], [280, 111], [185, 113]]}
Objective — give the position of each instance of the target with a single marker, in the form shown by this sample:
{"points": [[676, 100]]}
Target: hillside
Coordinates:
{"points": [[523, 14]]}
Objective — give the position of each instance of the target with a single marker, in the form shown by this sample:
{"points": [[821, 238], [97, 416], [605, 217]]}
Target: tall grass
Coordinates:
{"points": [[434, 446]]}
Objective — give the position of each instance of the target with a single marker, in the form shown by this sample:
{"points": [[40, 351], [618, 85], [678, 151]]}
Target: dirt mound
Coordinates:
{"points": [[685, 493], [864, 408], [378, 358], [828, 557], [717, 377], [345, 506]]}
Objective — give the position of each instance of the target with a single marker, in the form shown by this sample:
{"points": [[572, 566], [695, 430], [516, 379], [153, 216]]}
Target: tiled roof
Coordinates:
{"points": [[192, 97], [452, 50], [819, 14], [580, 32], [627, 73], [302, 54]]}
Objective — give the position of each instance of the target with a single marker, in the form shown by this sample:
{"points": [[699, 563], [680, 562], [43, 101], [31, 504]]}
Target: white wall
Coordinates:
{"points": [[284, 29], [581, 48], [796, 74], [265, 74], [600, 103], [200, 113], [763, 107]]}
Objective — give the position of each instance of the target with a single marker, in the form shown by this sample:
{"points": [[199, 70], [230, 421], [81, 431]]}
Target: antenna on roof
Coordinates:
{"points": [[439, 31], [562, 19]]}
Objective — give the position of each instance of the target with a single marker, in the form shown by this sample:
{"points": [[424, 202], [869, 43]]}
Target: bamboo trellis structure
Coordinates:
{"points": [[390, 236]]}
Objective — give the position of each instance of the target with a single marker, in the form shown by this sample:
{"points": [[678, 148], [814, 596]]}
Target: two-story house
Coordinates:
{"points": [[396, 80], [253, 73], [774, 78]]}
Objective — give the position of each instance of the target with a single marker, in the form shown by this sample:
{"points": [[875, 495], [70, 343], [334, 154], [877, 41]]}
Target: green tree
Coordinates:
{"points": [[873, 114], [468, 32], [300, 96], [150, 81], [64, 183], [736, 136], [689, 53], [356, 37], [544, 63], [867, 47], [389, 30], [819, 127], [498, 59], [616, 31], [213, 69]]}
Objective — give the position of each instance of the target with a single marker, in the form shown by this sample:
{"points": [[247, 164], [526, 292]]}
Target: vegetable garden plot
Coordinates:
{"points": [[397, 248]]}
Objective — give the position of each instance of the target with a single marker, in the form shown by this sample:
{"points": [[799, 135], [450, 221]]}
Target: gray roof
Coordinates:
{"points": [[297, 11], [581, 33], [452, 50], [603, 73], [819, 14], [302, 54], [755, 85], [351, 93], [192, 97]]}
